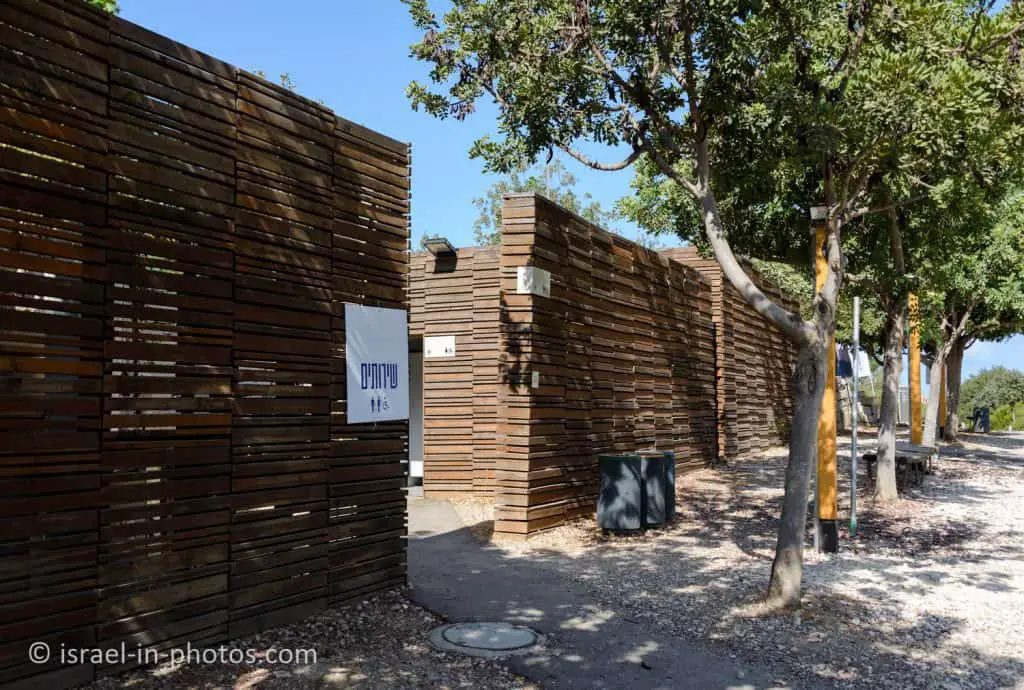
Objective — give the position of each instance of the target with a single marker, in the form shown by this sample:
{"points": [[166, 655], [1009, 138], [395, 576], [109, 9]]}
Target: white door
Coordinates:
{"points": [[416, 414]]}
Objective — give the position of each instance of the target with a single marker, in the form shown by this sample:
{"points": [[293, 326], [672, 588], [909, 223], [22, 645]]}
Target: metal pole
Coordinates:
{"points": [[856, 419]]}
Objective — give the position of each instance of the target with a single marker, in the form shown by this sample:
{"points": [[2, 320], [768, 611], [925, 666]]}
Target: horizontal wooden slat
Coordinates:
{"points": [[178, 239]]}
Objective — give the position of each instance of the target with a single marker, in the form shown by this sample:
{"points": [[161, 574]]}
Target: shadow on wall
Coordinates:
{"points": [[779, 374], [511, 362], [446, 263]]}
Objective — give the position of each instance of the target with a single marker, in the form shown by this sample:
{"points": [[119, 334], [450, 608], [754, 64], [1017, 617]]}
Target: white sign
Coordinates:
{"points": [[376, 364], [531, 280], [438, 346]]}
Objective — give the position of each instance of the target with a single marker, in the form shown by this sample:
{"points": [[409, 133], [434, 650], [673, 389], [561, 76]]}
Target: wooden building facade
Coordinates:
{"points": [[619, 357], [753, 361], [632, 350], [178, 240]]}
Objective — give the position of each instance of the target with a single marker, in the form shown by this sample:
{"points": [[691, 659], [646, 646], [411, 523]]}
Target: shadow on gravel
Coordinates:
{"points": [[617, 596], [600, 636]]}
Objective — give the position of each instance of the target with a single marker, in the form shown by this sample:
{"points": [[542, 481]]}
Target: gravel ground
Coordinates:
{"points": [[930, 594], [377, 643]]}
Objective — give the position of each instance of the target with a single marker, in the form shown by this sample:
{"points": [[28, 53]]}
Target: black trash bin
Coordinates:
{"points": [[637, 490], [621, 498], [982, 422], [670, 486], [654, 510]]}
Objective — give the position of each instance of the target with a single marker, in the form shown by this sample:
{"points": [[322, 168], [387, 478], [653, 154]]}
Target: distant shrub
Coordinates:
{"points": [[1007, 417], [992, 388]]}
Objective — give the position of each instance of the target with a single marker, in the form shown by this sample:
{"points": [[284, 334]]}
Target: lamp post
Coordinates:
{"points": [[438, 246]]}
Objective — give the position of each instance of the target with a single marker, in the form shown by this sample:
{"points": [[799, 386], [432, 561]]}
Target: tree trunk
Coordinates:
{"points": [[892, 363], [808, 379], [808, 389], [954, 367], [931, 410]]}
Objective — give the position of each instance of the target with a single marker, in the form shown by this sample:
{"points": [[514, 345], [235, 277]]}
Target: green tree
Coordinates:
{"points": [[553, 181], [820, 97], [918, 191], [992, 388], [977, 292], [1007, 417], [108, 5], [931, 247]]}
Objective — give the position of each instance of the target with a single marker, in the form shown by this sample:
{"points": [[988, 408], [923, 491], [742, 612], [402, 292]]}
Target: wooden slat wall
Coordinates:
{"points": [[458, 297], [370, 264], [486, 327], [758, 374], [54, 91], [753, 361], [165, 513], [178, 239], [625, 351]]}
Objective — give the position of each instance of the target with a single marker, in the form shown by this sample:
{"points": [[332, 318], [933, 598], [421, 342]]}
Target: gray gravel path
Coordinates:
{"points": [[589, 643], [929, 595], [378, 643]]}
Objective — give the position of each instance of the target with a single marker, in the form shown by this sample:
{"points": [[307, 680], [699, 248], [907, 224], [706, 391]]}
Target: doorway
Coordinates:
{"points": [[416, 412]]}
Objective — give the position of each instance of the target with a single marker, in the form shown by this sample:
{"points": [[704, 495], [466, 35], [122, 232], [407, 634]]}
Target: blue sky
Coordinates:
{"points": [[354, 55], [982, 355]]}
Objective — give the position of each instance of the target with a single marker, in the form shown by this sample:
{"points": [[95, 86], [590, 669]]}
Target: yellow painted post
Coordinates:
{"points": [[914, 362], [942, 403], [828, 532]]}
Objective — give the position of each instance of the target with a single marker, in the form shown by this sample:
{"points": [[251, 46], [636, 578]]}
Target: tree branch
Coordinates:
{"points": [[672, 173], [794, 327], [596, 165], [999, 40], [895, 234], [862, 280], [850, 55], [690, 72], [865, 211], [983, 9]]}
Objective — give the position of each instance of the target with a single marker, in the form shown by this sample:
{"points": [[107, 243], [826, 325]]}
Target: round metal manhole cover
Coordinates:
{"points": [[483, 639]]}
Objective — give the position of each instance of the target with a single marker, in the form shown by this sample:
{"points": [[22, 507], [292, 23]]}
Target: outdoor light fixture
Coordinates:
{"points": [[439, 246]]}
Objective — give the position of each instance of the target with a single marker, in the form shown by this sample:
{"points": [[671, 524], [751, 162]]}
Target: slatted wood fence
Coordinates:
{"points": [[634, 351], [458, 296], [178, 239], [754, 362], [625, 351]]}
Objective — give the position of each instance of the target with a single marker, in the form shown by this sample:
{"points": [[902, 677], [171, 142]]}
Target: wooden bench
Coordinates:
{"points": [[913, 462]]}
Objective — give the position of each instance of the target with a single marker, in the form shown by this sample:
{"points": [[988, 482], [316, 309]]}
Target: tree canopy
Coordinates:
{"points": [[985, 282], [108, 5], [553, 181], [758, 112], [993, 387]]}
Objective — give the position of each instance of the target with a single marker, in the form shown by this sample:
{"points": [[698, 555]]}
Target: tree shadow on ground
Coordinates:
{"points": [[698, 581], [1002, 440], [612, 616]]}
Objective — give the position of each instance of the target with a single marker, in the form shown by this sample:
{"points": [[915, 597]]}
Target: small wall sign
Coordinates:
{"points": [[531, 280], [376, 364], [435, 346]]}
